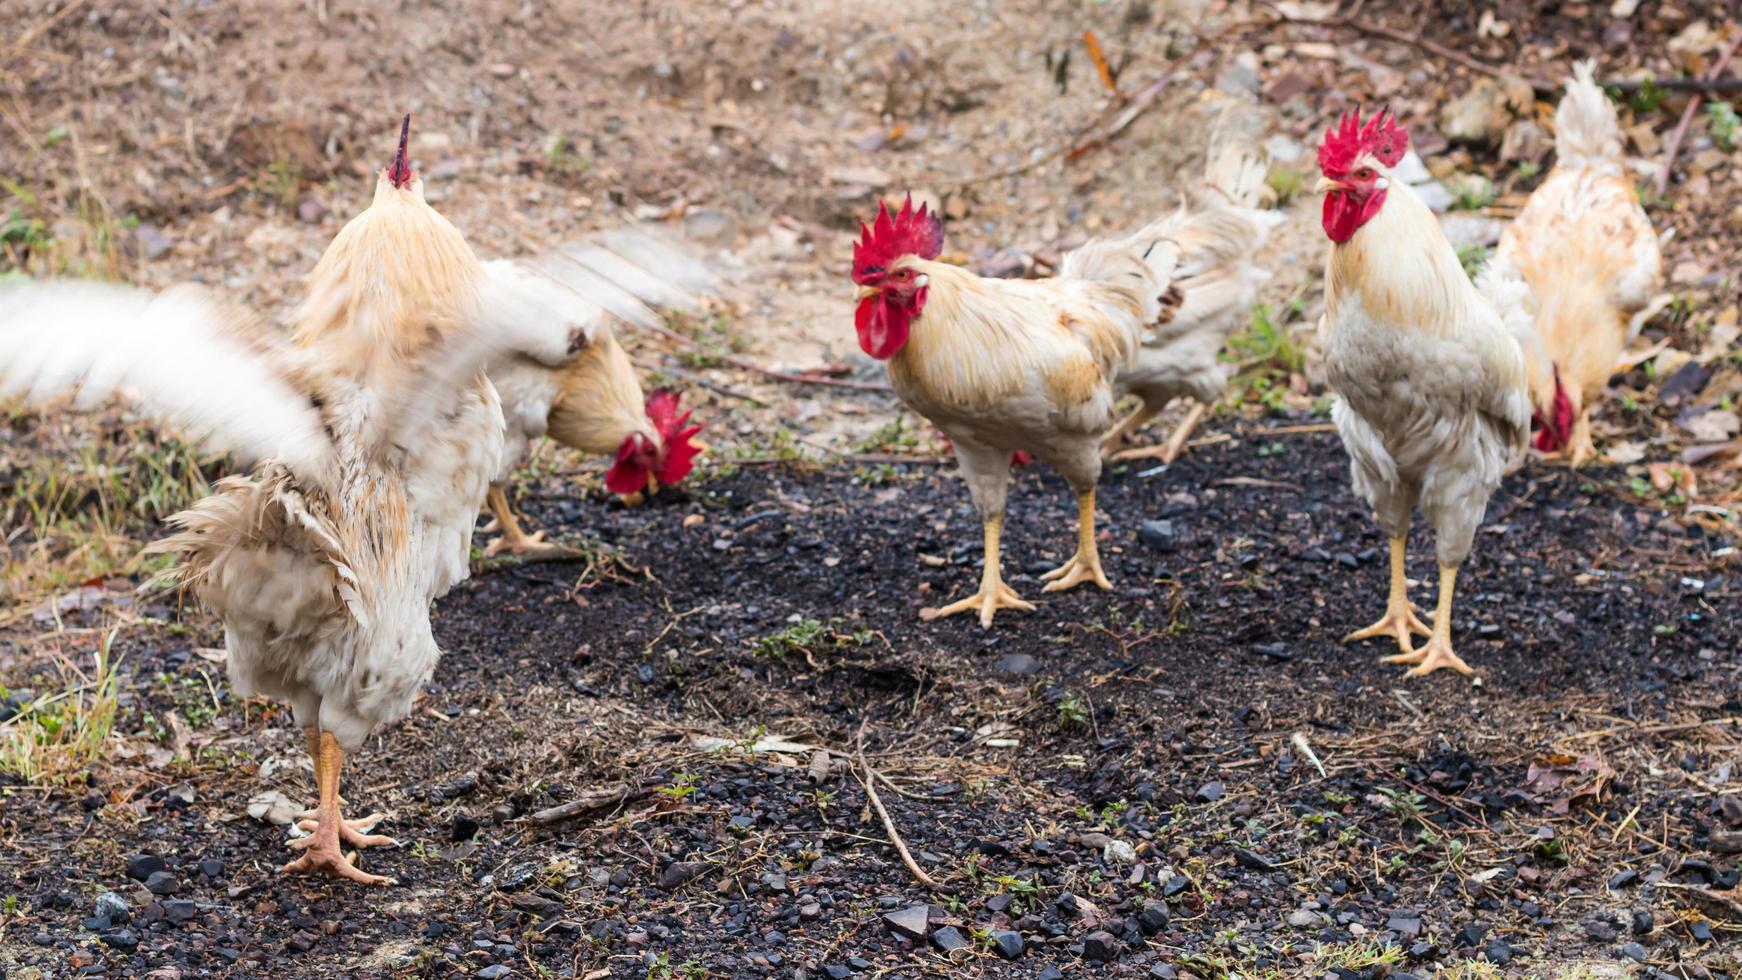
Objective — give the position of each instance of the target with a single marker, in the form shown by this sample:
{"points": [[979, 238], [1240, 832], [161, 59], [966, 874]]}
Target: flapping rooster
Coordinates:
{"points": [[377, 434]]}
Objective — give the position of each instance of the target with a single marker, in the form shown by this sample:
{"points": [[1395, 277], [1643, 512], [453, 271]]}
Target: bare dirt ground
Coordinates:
{"points": [[1112, 785]]}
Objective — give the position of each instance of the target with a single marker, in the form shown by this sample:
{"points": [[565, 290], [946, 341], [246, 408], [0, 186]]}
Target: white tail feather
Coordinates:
{"points": [[204, 367], [1587, 132]]}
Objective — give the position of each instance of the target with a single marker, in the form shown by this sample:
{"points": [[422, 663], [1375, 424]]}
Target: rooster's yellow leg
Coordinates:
{"points": [[312, 738], [1085, 565], [1437, 651], [1580, 448], [994, 594], [1169, 451], [1123, 432], [1400, 619], [321, 849], [515, 540]]}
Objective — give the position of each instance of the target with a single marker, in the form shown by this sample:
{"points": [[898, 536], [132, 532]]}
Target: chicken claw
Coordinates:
{"points": [[330, 861], [353, 832], [1075, 572], [1429, 657], [530, 547], [1000, 596]]}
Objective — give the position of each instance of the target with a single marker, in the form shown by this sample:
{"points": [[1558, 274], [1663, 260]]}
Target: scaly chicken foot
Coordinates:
{"points": [[1169, 451], [994, 594], [1401, 618], [1436, 653], [515, 540], [1085, 565], [321, 850]]}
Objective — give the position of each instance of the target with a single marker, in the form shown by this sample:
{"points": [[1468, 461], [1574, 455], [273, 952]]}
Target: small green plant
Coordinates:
{"points": [[1645, 99], [1286, 182], [1526, 171], [1474, 193], [1024, 894], [1723, 123], [662, 968], [1072, 712], [681, 786], [1472, 256], [1406, 807], [808, 637]]}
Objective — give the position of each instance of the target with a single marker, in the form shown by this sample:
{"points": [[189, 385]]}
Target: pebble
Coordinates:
{"points": [[682, 872], [1153, 918], [1623, 879], [1406, 926], [212, 868], [911, 921], [1304, 919], [1498, 953], [1119, 852], [949, 939], [162, 883], [1643, 922], [1634, 952], [123, 939], [178, 910], [1021, 664], [143, 866], [112, 907], [1100, 947], [463, 828], [1210, 792], [492, 972], [1159, 535], [1008, 944], [835, 971]]}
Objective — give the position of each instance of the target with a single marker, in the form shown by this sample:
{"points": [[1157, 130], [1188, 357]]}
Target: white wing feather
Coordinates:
{"points": [[205, 367]]}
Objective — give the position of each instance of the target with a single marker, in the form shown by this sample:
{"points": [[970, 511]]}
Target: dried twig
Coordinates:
{"points": [[1674, 145], [1414, 40], [870, 778], [594, 799]]}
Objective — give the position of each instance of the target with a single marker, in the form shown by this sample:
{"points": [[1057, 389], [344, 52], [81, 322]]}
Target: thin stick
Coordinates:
{"points": [[870, 781], [1681, 128], [1413, 40], [1296, 430]]}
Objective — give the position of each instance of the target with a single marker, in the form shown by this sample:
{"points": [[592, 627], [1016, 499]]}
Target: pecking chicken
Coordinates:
{"points": [[377, 434], [1591, 261], [594, 404], [1218, 230], [1432, 403], [1003, 366]]}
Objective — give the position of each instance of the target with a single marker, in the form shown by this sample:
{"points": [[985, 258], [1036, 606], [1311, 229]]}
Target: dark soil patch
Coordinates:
{"points": [[1160, 716]]}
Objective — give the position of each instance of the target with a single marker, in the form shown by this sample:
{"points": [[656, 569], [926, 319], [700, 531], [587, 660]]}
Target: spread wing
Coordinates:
{"points": [[203, 365]]}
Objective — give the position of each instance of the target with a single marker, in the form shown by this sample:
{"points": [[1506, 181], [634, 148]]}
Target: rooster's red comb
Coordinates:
{"points": [[907, 232], [675, 434], [1345, 142], [400, 173]]}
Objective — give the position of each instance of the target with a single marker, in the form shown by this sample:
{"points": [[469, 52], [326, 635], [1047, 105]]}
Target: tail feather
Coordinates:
{"points": [[1587, 132]]}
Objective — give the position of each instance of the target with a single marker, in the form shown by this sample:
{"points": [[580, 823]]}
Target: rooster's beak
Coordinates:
{"points": [[1327, 184], [865, 292]]}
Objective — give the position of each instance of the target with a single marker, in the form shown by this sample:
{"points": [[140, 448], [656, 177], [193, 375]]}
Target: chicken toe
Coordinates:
{"points": [[1085, 565]]}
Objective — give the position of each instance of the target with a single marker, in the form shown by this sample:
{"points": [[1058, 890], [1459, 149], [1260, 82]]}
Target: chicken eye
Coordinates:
{"points": [[1365, 173]]}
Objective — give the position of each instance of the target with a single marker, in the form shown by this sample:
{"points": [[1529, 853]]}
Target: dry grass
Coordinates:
{"points": [[57, 736]]}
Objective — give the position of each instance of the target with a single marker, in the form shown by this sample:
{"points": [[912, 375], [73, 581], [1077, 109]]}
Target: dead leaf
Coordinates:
{"points": [[1625, 452], [1564, 780], [1716, 425]]}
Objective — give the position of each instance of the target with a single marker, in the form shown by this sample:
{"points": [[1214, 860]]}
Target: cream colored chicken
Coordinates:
{"points": [[1005, 366], [593, 404], [377, 434], [1218, 229], [1430, 381], [1591, 260]]}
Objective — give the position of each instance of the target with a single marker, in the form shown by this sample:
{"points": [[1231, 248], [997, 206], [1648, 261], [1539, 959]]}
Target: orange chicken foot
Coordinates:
{"points": [[1085, 565], [1169, 451], [515, 540], [321, 849], [1437, 651], [994, 594], [1401, 618]]}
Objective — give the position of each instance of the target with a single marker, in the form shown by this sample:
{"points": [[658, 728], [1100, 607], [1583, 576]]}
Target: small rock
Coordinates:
{"points": [[1159, 535], [1498, 953], [142, 866], [463, 828], [1008, 944], [1021, 664], [311, 209], [1730, 806], [112, 907], [1100, 947], [1634, 952], [1050, 973], [911, 921], [1175, 885], [1304, 919], [179, 910], [1406, 925], [1622, 879], [1210, 792], [949, 939], [681, 873], [1119, 852], [1600, 931], [212, 868], [1471, 935], [1248, 859], [835, 971], [494, 971], [125, 940], [1481, 115], [162, 883], [1153, 918], [1643, 922], [1701, 930]]}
